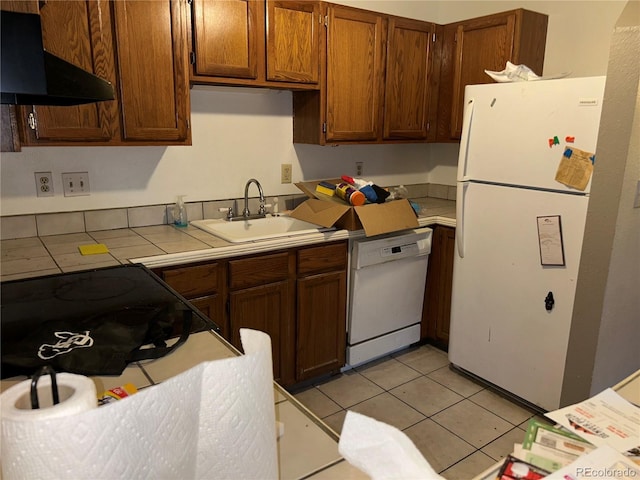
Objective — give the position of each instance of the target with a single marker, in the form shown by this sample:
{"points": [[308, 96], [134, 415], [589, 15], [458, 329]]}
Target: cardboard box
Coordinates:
{"points": [[374, 219]]}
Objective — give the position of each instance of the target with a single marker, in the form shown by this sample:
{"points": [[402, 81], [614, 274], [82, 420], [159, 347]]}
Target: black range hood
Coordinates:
{"points": [[32, 76]]}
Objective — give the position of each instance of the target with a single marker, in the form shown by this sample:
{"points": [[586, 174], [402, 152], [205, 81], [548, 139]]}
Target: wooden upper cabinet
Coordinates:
{"points": [[355, 74], [487, 43], [79, 32], [258, 43], [141, 48], [294, 33], [226, 37], [22, 6], [378, 81], [407, 91], [153, 69]]}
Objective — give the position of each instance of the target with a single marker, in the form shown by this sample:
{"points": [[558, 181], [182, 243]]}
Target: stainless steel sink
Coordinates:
{"points": [[257, 229]]}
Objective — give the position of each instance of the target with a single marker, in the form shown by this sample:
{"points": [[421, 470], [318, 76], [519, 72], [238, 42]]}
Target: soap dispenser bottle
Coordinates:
{"points": [[180, 213]]}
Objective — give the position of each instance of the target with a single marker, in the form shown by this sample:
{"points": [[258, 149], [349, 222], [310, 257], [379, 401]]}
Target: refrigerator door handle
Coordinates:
{"points": [[464, 140], [461, 193]]}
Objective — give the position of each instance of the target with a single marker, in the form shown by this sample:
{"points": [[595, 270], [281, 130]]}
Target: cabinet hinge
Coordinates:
{"points": [[192, 58], [31, 121], [324, 127]]}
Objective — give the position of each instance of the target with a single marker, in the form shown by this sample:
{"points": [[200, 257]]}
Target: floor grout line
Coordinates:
{"points": [[360, 371]]}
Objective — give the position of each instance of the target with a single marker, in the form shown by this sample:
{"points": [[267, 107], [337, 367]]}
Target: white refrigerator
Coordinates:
{"points": [[519, 230]]}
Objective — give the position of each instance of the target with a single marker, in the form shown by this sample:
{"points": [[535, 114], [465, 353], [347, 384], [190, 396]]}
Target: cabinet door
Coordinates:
{"points": [[437, 305], [79, 32], [293, 40], [226, 36], [485, 44], [407, 79], [321, 326], [265, 308], [355, 62], [211, 307], [152, 69]]}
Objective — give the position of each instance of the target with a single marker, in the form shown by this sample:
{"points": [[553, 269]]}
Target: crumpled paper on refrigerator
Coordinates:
{"points": [[216, 420], [382, 451], [520, 73]]}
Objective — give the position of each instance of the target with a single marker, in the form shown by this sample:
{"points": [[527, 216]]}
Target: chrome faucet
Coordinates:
{"points": [[262, 210]]}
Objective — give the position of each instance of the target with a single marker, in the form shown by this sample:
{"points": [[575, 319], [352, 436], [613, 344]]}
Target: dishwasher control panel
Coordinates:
{"points": [[372, 251], [400, 250]]}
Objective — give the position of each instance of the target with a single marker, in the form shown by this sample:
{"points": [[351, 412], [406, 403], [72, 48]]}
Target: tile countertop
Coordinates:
{"points": [[163, 245], [307, 448]]}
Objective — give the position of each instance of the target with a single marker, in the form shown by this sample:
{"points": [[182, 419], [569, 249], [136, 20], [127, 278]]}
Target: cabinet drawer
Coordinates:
{"points": [[249, 272], [194, 281], [322, 259]]}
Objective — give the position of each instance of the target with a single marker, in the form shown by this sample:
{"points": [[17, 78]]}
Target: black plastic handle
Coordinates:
{"points": [[34, 386], [549, 302]]}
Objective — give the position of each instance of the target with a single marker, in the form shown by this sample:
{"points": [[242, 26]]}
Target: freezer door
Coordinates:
{"points": [[509, 129], [501, 329]]}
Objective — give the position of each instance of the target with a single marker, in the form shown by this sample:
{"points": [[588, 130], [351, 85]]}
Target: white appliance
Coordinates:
{"points": [[387, 281], [512, 301]]}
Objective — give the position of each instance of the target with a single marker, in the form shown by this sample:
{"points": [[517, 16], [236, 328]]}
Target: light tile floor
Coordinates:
{"points": [[460, 426]]}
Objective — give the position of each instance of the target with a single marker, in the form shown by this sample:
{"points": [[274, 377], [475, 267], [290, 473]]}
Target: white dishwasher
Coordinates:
{"points": [[386, 293]]}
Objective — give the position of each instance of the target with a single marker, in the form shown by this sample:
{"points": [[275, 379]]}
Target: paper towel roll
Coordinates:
{"points": [[216, 420], [76, 394]]}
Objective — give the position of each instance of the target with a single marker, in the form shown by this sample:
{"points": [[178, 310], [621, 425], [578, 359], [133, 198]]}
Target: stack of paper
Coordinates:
{"points": [[599, 437]]}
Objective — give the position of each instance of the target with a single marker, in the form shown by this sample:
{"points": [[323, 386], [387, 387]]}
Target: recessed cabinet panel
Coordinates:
{"points": [[407, 79], [321, 259], [355, 54], [153, 70], [293, 41], [436, 313], [321, 332], [194, 281], [226, 37], [264, 308], [259, 270]]}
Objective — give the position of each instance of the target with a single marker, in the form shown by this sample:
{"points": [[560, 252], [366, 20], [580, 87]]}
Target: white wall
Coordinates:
{"points": [[241, 133], [605, 326]]}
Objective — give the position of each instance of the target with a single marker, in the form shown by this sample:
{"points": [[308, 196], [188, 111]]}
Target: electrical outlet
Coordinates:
{"points": [[75, 184], [358, 169], [285, 173], [44, 184]]}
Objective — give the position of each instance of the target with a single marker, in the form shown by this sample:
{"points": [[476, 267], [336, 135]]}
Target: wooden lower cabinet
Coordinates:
{"points": [[321, 311], [298, 296], [437, 300]]}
